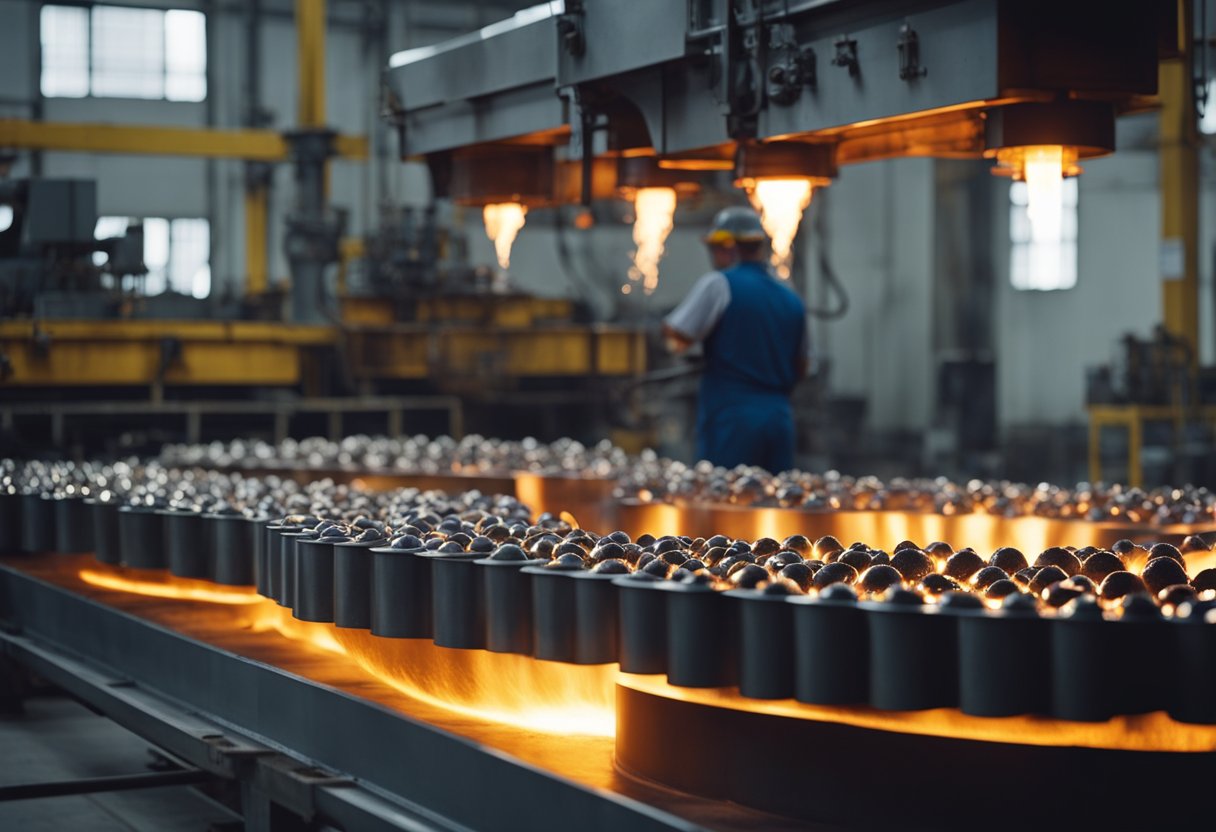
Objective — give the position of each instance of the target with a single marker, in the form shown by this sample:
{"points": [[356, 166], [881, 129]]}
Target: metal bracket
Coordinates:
{"points": [[909, 54], [846, 55], [787, 77], [570, 28]]}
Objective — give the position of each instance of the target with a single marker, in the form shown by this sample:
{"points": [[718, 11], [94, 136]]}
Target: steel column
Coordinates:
{"points": [[1179, 154]]}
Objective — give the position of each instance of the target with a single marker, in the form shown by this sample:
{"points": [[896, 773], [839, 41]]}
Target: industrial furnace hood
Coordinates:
{"points": [[690, 82]]}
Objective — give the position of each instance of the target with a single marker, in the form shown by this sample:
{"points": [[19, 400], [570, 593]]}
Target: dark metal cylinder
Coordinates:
{"points": [[508, 596], [1150, 648], [268, 571], [401, 593], [553, 613], [597, 618], [353, 584], [314, 595], [107, 546], [10, 522], [831, 652], [1085, 664], [187, 545], [73, 526], [1194, 683], [766, 644], [237, 542], [37, 523], [913, 658], [1003, 663], [141, 535], [458, 602], [642, 623], [286, 574], [702, 643]]}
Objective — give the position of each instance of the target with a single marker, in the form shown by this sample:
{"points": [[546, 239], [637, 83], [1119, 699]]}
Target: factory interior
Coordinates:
{"points": [[607, 414]]}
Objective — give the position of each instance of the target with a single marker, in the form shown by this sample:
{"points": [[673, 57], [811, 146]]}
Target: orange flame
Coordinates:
{"points": [[1147, 732], [781, 203], [1043, 168], [653, 210], [503, 221], [159, 585], [547, 697]]}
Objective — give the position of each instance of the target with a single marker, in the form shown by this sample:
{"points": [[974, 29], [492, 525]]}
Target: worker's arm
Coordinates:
{"points": [[676, 341], [697, 315]]}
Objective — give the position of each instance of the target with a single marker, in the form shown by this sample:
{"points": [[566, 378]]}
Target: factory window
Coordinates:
{"points": [[177, 253], [1207, 119], [123, 52], [1043, 254]]}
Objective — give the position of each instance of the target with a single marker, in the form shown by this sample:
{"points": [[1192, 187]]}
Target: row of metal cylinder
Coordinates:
{"points": [[818, 652], [219, 548]]}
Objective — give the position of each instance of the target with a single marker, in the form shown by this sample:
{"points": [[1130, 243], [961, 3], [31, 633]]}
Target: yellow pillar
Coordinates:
{"points": [[255, 240], [310, 55], [1179, 153]]}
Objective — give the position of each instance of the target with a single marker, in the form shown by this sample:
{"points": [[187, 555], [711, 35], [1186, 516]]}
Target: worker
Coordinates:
{"points": [[752, 328]]}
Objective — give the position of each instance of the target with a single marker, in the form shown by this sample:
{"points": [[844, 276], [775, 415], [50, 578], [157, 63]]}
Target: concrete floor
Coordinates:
{"points": [[57, 739]]}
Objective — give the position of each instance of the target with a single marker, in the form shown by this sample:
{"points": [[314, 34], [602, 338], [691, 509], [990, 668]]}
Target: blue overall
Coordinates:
{"points": [[751, 367]]}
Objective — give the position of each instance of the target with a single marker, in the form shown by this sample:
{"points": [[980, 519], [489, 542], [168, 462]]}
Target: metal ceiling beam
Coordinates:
{"points": [[253, 145]]}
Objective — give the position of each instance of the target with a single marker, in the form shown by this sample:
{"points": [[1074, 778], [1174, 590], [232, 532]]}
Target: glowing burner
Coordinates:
{"points": [[779, 178], [503, 221], [653, 211], [781, 203]]}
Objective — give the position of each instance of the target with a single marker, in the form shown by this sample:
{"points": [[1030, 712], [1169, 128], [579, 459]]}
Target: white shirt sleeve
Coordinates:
{"points": [[699, 313]]}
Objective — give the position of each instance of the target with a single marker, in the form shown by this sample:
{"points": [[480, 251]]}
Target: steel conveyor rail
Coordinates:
{"points": [[271, 782], [292, 743]]}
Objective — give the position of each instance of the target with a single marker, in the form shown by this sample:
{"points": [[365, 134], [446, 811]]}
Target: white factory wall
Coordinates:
{"points": [[1046, 340], [17, 56], [880, 236]]}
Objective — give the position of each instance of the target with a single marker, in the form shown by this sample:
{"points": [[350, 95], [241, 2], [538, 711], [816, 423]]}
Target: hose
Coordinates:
{"points": [[830, 280]]}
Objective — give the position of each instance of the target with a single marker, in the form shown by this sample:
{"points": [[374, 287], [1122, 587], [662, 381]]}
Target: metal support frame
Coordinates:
{"points": [[314, 229], [310, 59], [1132, 418], [258, 178], [95, 785], [148, 140], [48, 353], [272, 784], [348, 762], [394, 409], [1179, 154]]}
